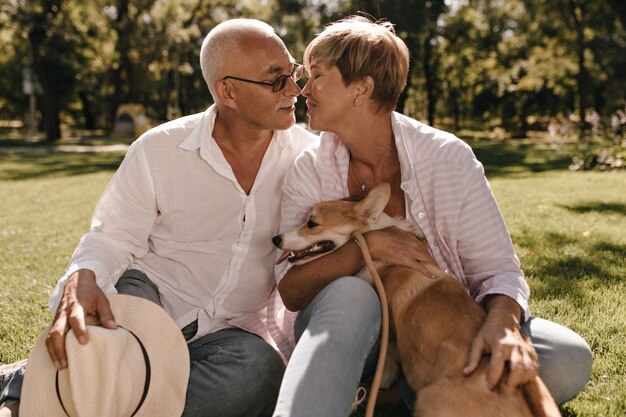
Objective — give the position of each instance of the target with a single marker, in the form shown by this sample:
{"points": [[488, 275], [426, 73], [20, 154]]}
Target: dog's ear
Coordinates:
{"points": [[374, 203]]}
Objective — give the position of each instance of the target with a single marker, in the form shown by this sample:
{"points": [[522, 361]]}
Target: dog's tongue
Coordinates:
{"points": [[283, 256]]}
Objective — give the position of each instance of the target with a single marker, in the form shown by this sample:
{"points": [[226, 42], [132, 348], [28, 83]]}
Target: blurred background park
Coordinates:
{"points": [[536, 87], [506, 66]]}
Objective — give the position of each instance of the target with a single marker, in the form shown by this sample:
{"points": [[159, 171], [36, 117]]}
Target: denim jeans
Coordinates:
{"points": [[335, 334], [337, 347], [233, 373]]}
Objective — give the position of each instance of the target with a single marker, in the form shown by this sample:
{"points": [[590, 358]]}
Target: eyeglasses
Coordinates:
{"points": [[280, 82]]}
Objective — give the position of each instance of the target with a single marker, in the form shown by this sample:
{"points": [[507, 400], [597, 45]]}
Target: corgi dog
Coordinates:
{"points": [[432, 321]]}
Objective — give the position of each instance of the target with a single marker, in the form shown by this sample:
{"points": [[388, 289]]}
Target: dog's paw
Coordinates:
{"points": [[366, 276], [391, 369], [389, 375]]}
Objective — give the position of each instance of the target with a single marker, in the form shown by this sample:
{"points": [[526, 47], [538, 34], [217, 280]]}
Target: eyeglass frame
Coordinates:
{"points": [[281, 80]]}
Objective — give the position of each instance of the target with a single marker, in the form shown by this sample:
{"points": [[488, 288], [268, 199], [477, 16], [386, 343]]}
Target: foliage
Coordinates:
{"points": [[602, 147], [503, 63]]}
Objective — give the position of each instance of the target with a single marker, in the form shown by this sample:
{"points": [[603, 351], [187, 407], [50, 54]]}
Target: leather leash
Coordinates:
{"points": [[384, 334]]}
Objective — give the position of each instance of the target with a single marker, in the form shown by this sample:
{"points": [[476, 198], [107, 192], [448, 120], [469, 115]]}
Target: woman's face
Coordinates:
{"points": [[327, 97]]}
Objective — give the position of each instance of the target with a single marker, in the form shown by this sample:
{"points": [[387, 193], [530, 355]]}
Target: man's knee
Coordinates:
{"points": [[266, 374], [136, 283], [269, 364], [236, 376]]}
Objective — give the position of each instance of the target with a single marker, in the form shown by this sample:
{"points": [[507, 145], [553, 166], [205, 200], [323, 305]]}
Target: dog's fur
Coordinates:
{"points": [[433, 321]]}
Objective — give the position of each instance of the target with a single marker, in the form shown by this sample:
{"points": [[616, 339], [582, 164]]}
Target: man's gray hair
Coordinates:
{"points": [[221, 42]]}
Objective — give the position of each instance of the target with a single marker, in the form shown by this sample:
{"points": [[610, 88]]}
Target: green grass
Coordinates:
{"points": [[46, 202], [569, 229]]}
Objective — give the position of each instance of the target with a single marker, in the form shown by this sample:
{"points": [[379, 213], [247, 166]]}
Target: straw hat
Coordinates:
{"points": [[139, 369]]}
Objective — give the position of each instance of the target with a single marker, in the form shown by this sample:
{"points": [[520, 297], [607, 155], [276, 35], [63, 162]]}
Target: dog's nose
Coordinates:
{"points": [[276, 240]]}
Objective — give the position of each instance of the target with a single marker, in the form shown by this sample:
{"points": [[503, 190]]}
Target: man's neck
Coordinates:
{"points": [[237, 137], [243, 147]]}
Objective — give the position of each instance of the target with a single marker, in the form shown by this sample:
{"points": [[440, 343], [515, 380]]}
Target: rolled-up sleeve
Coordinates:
{"points": [[120, 225], [301, 191], [484, 245]]}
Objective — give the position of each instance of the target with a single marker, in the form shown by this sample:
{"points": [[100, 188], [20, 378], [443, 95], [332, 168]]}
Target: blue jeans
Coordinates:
{"points": [[233, 373], [336, 332], [337, 346]]}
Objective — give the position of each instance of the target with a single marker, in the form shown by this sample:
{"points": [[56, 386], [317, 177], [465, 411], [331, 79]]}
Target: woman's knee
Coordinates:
{"points": [[348, 308], [351, 294], [568, 372], [565, 359], [345, 300]]}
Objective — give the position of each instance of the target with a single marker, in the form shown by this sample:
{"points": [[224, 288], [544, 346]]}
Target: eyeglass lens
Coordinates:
{"points": [[280, 82]]}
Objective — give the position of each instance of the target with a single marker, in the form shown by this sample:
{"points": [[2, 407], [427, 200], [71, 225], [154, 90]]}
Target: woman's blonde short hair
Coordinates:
{"points": [[361, 47]]}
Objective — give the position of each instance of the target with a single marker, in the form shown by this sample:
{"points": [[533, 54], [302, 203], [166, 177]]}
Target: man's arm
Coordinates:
{"points": [[121, 224]]}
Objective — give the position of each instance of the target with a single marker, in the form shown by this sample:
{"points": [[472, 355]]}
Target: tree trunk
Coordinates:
{"points": [[429, 78], [582, 77], [90, 120], [619, 8], [50, 95], [120, 74]]}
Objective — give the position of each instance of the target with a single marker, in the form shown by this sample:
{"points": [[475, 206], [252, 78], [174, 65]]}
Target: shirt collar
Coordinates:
{"points": [[333, 146], [398, 126], [202, 131]]}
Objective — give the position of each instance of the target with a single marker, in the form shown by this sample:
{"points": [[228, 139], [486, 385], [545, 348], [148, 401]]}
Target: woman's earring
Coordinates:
{"points": [[356, 102]]}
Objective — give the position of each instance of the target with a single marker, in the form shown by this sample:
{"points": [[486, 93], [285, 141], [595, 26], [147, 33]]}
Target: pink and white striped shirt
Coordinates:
{"points": [[446, 195]]}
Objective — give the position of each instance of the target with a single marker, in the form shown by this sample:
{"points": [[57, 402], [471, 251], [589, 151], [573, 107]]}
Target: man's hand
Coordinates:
{"points": [[501, 337], [81, 297], [398, 247]]}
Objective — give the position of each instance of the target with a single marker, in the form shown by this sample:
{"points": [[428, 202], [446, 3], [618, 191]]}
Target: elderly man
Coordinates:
{"points": [[187, 222]]}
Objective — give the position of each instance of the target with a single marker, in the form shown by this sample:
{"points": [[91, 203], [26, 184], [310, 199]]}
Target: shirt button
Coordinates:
{"points": [[421, 215]]}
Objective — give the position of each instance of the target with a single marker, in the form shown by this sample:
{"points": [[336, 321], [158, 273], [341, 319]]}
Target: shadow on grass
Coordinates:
{"points": [[517, 157], [559, 275], [37, 164], [568, 412], [597, 206]]}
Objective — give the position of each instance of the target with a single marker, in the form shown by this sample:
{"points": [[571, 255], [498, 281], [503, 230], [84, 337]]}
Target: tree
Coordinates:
{"points": [[56, 46], [416, 23], [37, 19]]}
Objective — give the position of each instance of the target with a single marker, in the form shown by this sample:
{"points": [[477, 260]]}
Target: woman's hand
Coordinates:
{"points": [[501, 337], [398, 247]]}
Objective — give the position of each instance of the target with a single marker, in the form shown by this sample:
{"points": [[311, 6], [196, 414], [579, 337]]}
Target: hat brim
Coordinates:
{"points": [[165, 347]]}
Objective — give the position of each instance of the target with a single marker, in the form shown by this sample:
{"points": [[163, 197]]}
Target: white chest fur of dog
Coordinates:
{"points": [[331, 224], [433, 321]]}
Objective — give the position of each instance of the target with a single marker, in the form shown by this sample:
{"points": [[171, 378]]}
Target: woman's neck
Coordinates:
{"points": [[369, 141]]}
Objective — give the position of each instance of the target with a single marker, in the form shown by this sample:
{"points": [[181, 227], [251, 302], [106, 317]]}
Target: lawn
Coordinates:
{"points": [[569, 229]]}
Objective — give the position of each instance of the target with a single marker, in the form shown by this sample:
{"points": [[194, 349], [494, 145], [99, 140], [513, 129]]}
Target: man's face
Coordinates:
{"points": [[264, 59]]}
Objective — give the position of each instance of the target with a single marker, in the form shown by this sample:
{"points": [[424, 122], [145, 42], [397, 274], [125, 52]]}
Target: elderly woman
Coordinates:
{"points": [[357, 70]]}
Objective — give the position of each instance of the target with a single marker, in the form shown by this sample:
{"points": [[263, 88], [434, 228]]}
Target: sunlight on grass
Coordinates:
{"points": [[41, 220], [569, 230]]}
